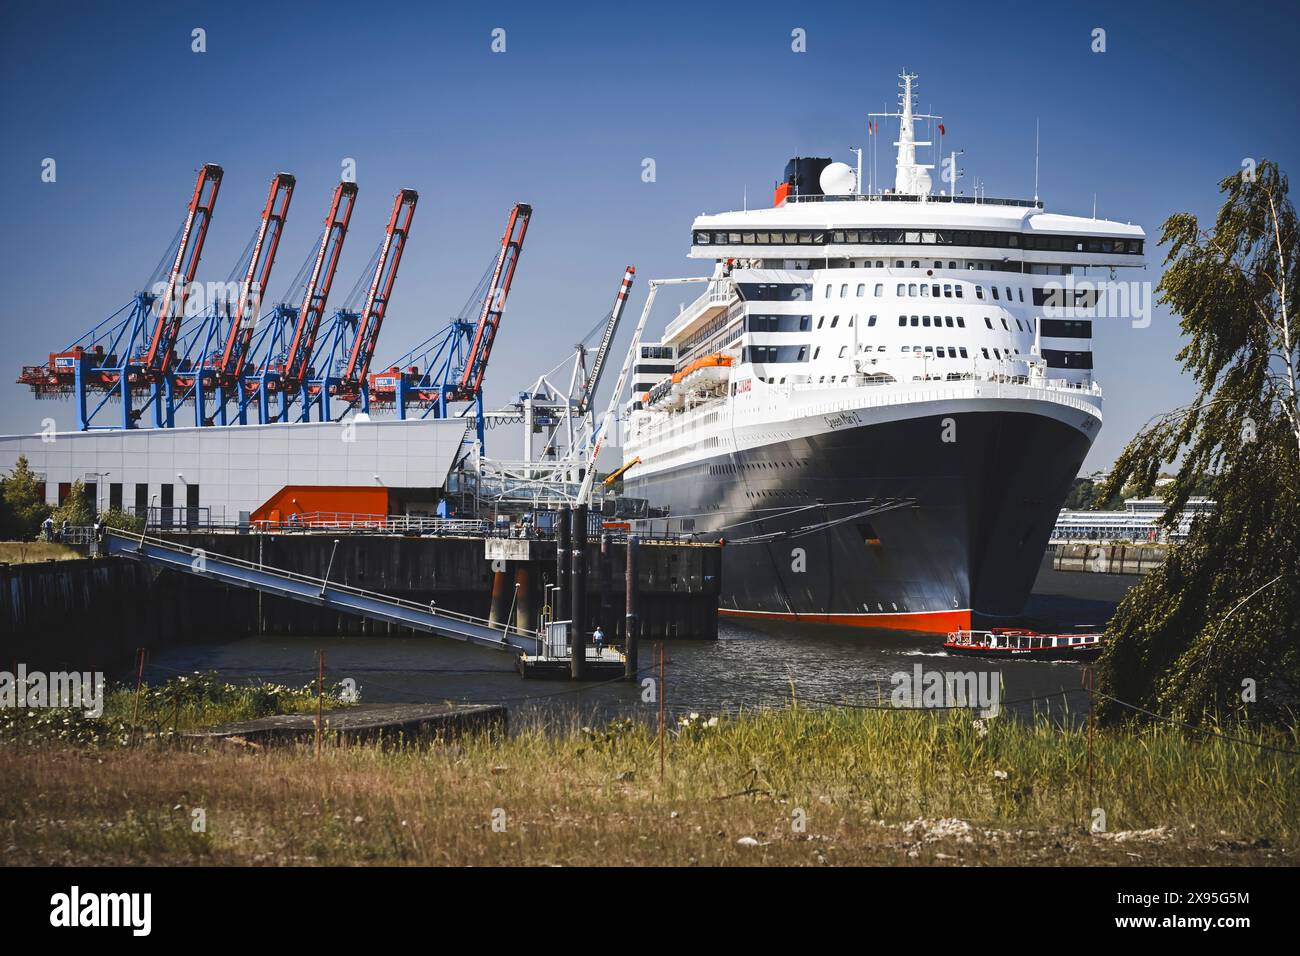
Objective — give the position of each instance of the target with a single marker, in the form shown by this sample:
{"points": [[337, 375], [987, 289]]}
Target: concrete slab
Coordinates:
{"points": [[408, 723]]}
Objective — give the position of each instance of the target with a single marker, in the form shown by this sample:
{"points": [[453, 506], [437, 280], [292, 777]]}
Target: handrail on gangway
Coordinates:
{"points": [[320, 592]]}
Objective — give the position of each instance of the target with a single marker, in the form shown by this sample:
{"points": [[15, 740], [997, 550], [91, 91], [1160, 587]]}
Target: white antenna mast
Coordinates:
{"points": [[1035, 159], [910, 177]]}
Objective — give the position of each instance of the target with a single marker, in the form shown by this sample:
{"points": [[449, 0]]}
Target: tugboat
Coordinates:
{"points": [[1002, 642]]}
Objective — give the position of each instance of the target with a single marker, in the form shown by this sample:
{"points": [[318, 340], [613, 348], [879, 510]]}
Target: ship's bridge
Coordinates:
{"points": [[885, 227]]}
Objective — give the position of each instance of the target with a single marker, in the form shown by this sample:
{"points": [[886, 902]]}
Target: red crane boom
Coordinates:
{"points": [[318, 285], [381, 289], [257, 278], [171, 311], [494, 304]]}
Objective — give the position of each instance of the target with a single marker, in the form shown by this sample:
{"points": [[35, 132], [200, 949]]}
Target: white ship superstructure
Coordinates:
{"points": [[840, 387]]}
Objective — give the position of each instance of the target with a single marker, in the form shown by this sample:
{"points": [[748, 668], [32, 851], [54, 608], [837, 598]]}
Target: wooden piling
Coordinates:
{"points": [[631, 626], [578, 600]]}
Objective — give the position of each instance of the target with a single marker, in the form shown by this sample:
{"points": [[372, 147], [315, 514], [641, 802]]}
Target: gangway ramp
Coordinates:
{"points": [[321, 592]]}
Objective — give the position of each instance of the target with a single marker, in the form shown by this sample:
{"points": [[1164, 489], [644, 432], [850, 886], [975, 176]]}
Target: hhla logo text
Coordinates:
{"points": [[56, 689], [103, 909], [941, 689]]}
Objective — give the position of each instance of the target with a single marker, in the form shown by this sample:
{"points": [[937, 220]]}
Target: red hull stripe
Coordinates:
{"points": [[930, 622]]}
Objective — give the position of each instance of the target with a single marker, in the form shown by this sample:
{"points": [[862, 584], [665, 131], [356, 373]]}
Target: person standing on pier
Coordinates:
{"points": [[599, 640]]}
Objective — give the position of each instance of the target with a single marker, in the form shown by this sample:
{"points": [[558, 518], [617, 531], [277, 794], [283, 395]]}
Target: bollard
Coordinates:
{"points": [[632, 625], [578, 600]]}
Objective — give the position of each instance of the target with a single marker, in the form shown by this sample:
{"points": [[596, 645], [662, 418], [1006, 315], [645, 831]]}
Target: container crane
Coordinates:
{"points": [[449, 366], [117, 358], [353, 382], [298, 359], [352, 330], [494, 305], [203, 368], [157, 360], [256, 281]]}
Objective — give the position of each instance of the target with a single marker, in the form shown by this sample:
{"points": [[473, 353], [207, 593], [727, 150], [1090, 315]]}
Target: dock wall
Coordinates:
{"points": [[96, 612]]}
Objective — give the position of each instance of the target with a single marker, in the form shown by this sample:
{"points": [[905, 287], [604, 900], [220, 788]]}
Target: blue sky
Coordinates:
{"points": [[564, 118]]}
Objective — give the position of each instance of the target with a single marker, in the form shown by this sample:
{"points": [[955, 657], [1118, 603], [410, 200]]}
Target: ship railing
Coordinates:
{"points": [[906, 197], [717, 293]]}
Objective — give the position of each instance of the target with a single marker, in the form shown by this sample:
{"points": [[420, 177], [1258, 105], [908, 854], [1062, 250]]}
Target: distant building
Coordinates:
{"points": [[1139, 521]]}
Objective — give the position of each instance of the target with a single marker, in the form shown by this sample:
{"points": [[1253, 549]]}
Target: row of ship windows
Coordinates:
{"points": [[1055, 358], [926, 290], [1057, 328], [799, 353], [926, 237]]}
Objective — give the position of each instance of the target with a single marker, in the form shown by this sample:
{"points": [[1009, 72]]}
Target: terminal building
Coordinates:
{"points": [[1139, 521], [188, 477]]}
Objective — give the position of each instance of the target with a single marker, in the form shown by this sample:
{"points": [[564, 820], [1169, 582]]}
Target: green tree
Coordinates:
{"points": [[121, 520], [1217, 625], [24, 506], [77, 509]]}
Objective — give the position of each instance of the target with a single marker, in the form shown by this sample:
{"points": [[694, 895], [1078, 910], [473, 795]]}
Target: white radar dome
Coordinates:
{"points": [[838, 179]]}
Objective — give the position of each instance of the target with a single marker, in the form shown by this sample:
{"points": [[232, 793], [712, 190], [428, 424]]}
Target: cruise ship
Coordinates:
{"points": [[882, 397]]}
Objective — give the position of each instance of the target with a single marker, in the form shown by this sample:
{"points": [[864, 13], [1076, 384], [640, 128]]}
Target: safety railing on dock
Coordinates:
{"points": [[331, 521]]}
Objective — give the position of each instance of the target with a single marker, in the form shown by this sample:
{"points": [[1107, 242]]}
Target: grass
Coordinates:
{"points": [[785, 786], [31, 552], [183, 703]]}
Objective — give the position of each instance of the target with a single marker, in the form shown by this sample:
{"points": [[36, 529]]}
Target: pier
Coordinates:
{"points": [[496, 591]]}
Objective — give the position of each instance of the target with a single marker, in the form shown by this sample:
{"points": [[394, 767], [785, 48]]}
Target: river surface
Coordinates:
{"points": [[743, 668]]}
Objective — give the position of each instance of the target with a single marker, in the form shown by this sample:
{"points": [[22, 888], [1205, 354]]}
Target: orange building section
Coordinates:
{"points": [[320, 503]]}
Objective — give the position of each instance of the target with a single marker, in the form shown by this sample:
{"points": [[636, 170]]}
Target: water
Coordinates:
{"points": [[743, 668]]}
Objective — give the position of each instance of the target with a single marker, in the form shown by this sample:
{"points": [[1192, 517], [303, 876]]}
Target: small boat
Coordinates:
{"points": [[1002, 642]]}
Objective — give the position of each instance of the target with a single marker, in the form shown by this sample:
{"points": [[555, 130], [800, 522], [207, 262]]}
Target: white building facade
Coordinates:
{"points": [[226, 473]]}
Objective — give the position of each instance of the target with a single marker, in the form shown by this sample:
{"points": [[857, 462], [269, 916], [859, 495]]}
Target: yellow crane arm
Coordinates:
{"points": [[615, 475]]}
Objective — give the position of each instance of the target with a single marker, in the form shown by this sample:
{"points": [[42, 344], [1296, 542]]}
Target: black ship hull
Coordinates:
{"points": [[886, 525]]}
